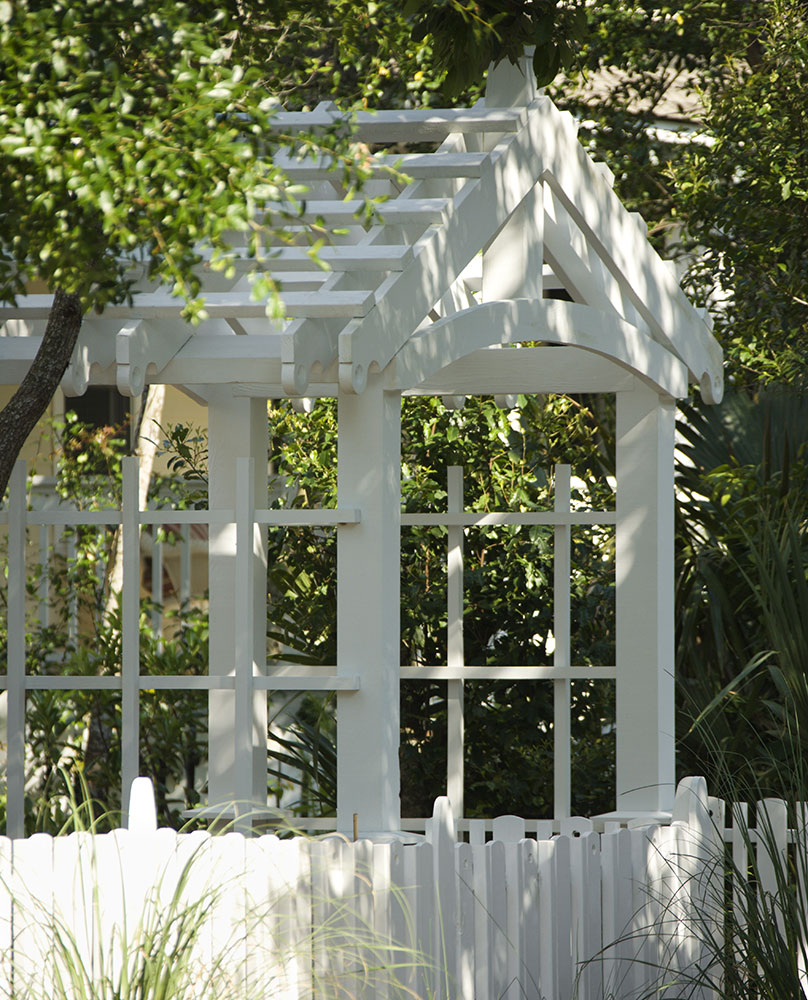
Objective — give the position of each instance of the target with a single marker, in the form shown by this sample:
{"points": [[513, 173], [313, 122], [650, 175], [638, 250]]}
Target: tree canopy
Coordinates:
{"points": [[133, 134]]}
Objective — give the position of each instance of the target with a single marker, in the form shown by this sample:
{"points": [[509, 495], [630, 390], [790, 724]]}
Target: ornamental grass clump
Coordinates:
{"points": [[736, 928]]}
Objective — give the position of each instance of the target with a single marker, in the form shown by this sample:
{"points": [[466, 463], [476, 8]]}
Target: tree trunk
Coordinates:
{"points": [[23, 411]]}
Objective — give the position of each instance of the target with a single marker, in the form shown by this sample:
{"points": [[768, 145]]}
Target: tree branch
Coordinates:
{"points": [[25, 408]]}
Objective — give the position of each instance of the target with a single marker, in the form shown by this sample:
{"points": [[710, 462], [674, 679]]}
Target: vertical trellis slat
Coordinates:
{"points": [[562, 734], [243, 634], [15, 747], [455, 655], [130, 628]]}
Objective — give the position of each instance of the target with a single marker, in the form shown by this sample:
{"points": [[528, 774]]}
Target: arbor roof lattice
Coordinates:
{"points": [[420, 283]]}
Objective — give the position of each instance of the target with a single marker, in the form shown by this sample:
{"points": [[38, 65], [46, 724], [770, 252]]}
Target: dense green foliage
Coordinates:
{"points": [[745, 201], [121, 144], [702, 117], [508, 458]]}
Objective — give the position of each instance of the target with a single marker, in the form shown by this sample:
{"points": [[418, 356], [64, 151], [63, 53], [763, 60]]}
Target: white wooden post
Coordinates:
{"points": [[454, 644], [236, 427], [644, 601], [368, 612], [15, 767], [562, 731]]}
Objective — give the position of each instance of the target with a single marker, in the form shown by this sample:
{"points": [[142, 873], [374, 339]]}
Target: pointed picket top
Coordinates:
{"points": [[142, 818]]}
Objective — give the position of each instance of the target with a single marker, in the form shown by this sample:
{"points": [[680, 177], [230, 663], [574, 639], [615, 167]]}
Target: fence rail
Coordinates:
{"points": [[578, 915]]}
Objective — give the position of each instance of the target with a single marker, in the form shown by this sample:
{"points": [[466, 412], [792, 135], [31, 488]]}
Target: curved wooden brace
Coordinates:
{"points": [[612, 232], [513, 321], [95, 348], [142, 349]]}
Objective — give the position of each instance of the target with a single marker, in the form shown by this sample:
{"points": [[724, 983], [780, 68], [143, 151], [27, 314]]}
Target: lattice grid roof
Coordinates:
{"points": [[416, 287]]}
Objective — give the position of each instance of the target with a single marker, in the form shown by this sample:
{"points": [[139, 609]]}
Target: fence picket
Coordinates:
{"points": [[299, 919], [483, 922], [327, 891], [381, 888], [498, 915], [509, 829], [6, 926], [771, 852], [716, 879], [363, 907], [740, 870], [562, 880], [513, 925], [586, 909], [193, 858], [464, 903], [260, 968], [529, 920], [73, 892], [32, 892], [111, 906], [640, 958], [402, 917], [616, 908], [419, 881], [443, 841]]}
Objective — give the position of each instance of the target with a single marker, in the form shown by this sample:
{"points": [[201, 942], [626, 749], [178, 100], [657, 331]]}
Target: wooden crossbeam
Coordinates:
{"points": [[379, 257], [417, 165], [402, 126], [412, 211], [222, 305]]}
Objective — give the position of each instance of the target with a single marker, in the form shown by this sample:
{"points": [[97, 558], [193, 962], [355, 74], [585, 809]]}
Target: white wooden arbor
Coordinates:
{"points": [[420, 302]]}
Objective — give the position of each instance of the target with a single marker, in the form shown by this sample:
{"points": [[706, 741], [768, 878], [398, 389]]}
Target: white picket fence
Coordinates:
{"points": [[581, 915]]}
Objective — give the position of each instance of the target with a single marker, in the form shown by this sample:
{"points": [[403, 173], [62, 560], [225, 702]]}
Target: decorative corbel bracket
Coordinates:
{"points": [[304, 344], [95, 346], [142, 349]]}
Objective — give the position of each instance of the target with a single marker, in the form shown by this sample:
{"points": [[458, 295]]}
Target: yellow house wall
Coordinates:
{"points": [[38, 449]]}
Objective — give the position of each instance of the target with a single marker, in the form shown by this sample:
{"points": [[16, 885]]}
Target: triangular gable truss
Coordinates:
{"points": [[396, 281]]}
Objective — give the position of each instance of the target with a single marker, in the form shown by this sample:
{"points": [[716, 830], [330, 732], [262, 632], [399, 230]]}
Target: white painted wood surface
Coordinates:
{"points": [[237, 627], [576, 916], [368, 600], [445, 269], [450, 266], [527, 184], [454, 642], [644, 601]]}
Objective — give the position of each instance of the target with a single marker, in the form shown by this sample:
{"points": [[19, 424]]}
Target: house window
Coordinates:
{"points": [[100, 407]]}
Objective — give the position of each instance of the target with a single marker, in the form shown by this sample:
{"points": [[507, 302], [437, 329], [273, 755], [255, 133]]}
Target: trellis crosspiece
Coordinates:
{"points": [[418, 301]]}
